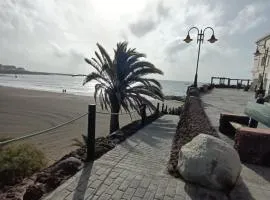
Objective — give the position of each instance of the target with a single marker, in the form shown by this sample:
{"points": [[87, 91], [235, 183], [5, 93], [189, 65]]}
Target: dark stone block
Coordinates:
{"points": [[224, 123], [253, 146]]}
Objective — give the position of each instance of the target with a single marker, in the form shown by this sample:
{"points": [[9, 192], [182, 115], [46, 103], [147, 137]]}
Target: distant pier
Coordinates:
{"points": [[224, 82]]}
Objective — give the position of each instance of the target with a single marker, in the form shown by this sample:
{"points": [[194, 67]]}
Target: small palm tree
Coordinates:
{"points": [[122, 82]]}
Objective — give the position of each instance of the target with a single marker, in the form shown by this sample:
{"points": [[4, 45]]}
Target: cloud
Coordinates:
{"points": [[174, 47], [55, 35], [142, 27], [162, 11], [148, 22], [249, 17]]}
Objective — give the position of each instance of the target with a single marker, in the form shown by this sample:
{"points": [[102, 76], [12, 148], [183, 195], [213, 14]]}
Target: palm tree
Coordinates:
{"points": [[121, 82]]}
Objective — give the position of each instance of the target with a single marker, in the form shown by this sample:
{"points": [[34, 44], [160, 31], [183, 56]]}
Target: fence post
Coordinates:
{"points": [[91, 132], [143, 114], [166, 109], [162, 109], [157, 110]]}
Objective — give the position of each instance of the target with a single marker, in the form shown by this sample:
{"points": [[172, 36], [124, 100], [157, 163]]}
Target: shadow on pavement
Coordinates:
{"points": [[80, 190], [195, 192], [155, 132], [241, 191], [262, 171]]}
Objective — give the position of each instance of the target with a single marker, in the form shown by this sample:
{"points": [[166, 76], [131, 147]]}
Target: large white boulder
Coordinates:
{"points": [[210, 162]]}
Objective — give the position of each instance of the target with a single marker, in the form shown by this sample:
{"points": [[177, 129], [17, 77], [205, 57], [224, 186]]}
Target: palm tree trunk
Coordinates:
{"points": [[114, 123]]}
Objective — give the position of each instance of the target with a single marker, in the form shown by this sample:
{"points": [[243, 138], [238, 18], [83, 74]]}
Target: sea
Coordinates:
{"points": [[73, 85]]}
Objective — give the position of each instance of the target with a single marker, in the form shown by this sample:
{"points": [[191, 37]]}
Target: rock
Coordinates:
{"points": [[53, 182], [117, 137], [42, 177], [33, 192], [10, 195], [176, 98], [193, 91], [267, 98], [210, 162], [69, 165]]}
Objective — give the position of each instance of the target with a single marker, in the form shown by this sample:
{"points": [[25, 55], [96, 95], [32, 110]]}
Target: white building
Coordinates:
{"points": [[259, 62]]}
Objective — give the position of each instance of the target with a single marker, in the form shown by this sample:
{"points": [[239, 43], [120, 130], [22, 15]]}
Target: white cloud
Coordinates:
{"points": [[249, 17], [55, 35]]}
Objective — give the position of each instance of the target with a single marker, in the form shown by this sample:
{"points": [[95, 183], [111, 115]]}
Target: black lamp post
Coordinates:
{"points": [[265, 56], [200, 39]]}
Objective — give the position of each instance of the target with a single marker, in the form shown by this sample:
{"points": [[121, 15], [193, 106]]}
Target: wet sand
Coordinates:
{"points": [[26, 111]]}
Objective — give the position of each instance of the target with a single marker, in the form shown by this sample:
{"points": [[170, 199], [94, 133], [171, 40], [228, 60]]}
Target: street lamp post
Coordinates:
{"points": [[200, 39], [265, 56]]}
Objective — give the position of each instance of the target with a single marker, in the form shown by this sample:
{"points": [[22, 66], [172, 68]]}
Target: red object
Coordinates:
{"points": [[253, 145]]}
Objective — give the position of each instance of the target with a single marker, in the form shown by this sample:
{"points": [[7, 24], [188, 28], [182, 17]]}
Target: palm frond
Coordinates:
{"points": [[97, 77], [105, 54], [93, 64]]}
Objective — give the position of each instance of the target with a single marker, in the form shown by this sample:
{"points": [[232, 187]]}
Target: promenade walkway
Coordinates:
{"points": [[135, 169], [255, 180]]}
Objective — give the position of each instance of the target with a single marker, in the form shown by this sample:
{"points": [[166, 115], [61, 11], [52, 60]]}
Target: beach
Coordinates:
{"points": [[24, 111]]}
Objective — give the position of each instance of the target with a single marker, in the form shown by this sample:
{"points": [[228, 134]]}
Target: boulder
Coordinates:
{"points": [[210, 162]]}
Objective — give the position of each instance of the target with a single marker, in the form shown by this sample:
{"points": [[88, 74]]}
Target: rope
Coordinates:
{"points": [[110, 113], [41, 132], [58, 126]]}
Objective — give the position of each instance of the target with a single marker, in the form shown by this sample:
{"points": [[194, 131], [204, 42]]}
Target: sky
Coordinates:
{"points": [[56, 35]]}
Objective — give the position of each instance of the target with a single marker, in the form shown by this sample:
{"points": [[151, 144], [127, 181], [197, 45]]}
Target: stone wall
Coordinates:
{"points": [[193, 121]]}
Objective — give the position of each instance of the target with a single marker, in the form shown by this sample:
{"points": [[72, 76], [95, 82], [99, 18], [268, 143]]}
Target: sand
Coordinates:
{"points": [[25, 111]]}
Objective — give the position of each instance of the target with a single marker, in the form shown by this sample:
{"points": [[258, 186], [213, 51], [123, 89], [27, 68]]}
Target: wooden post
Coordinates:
{"points": [[157, 110], [229, 81], [179, 110], [162, 108], [212, 80], [166, 109], [91, 132], [173, 111], [143, 114]]}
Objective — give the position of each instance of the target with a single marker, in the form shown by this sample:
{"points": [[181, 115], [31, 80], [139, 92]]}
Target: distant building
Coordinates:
{"points": [[257, 71], [7, 67], [11, 68]]}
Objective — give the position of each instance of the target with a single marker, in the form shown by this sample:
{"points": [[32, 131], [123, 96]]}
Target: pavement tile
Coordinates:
{"points": [[117, 195], [128, 193]]}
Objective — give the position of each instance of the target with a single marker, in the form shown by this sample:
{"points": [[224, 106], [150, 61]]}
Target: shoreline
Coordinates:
{"points": [[50, 91], [24, 111]]}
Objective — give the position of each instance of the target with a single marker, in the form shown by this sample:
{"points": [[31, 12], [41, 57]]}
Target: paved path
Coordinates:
{"points": [[135, 169], [255, 182]]}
